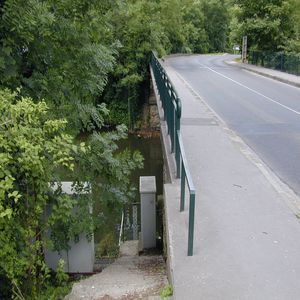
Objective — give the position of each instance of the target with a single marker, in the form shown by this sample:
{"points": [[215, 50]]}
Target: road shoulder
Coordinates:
{"points": [[273, 74]]}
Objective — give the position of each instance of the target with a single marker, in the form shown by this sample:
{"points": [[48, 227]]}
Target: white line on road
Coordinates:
{"points": [[254, 91]]}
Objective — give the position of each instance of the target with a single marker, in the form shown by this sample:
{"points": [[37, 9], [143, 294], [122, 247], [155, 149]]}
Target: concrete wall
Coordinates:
{"points": [[79, 259], [170, 182]]}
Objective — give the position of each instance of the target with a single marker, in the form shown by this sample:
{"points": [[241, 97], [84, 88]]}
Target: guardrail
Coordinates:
{"points": [[172, 114], [285, 62]]}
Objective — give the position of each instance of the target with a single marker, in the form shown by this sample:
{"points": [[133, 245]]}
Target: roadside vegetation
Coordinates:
{"points": [[70, 67]]}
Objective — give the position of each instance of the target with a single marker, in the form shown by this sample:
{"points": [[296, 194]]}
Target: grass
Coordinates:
{"points": [[166, 292]]}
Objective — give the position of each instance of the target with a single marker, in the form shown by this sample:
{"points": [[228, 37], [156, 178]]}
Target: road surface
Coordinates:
{"points": [[265, 113]]}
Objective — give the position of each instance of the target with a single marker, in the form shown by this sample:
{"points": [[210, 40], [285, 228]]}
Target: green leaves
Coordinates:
{"points": [[31, 148], [268, 25], [61, 52]]}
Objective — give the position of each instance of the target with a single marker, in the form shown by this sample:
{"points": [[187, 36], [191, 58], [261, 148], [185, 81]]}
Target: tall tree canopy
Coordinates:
{"points": [[267, 23], [60, 51]]}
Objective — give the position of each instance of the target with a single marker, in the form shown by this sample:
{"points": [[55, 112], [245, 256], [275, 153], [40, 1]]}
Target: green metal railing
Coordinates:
{"points": [[172, 114], [285, 62]]}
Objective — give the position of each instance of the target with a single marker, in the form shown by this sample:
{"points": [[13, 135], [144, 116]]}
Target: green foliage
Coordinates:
{"points": [[61, 276], [108, 246], [58, 286], [76, 54], [193, 30], [172, 22], [293, 44], [31, 147], [58, 51], [166, 292], [137, 27], [266, 23], [53, 292], [216, 24]]}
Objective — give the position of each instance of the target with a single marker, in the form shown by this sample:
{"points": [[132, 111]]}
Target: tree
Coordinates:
{"points": [[193, 28], [32, 150], [172, 22], [32, 147], [136, 25], [293, 44], [60, 51], [266, 23], [216, 24]]}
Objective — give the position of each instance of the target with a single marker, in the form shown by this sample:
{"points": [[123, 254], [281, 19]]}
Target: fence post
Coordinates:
{"points": [[182, 194], [177, 131], [191, 223]]}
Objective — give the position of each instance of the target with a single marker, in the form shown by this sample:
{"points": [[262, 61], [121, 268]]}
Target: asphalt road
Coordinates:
{"points": [[265, 113]]}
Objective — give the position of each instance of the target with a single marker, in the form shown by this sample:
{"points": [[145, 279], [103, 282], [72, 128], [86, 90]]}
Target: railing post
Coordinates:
{"points": [[191, 224], [166, 100], [177, 154], [172, 123], [182, 194], [177, 132]]}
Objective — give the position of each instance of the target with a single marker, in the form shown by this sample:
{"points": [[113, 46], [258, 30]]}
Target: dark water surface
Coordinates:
{"points": [[151, 150]]}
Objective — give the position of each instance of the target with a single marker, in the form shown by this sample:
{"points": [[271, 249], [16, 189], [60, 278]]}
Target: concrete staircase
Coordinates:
{"points": [[130, 277]]}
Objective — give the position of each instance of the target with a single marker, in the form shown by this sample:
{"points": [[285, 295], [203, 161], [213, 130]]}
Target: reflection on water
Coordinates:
{"points": [[151, 150]]}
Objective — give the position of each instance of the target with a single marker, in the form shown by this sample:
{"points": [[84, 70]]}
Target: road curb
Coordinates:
{"points": [[262, 73]]}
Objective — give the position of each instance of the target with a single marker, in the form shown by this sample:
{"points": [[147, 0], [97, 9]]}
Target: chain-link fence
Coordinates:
{"points": [[281, 61]]}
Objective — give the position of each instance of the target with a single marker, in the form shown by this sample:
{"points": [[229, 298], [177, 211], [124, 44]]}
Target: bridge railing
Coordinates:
{"points": [[171, 105]]}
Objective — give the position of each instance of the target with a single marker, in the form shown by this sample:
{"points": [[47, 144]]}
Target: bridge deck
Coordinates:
{"points": [[247, 239]]}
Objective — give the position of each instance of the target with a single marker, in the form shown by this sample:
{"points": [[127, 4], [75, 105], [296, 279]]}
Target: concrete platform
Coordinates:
{"points": [[247, 237], [129, 277]]}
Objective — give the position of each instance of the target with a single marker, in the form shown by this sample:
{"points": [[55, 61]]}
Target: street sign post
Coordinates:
{"points": [[244, 49]]}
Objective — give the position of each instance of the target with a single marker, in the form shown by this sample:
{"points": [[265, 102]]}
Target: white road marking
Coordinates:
{"points": [[254, 91]]}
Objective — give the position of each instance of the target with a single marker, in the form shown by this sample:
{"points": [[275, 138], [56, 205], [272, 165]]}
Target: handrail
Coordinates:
{"points": [[171, 104]]}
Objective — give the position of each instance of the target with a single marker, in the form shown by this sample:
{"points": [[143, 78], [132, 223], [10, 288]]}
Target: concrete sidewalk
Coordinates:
{"points": [[247, 237], [274, 74]]}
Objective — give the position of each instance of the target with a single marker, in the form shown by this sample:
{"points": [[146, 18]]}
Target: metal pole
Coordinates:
{"points": [[191, 224], [177, 155], [182, 187]]}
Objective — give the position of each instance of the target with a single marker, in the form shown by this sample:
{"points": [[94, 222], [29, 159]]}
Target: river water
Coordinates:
{"points": [[151, 150]]}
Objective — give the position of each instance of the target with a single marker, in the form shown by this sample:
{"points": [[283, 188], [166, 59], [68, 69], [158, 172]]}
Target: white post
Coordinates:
{"points": [[148, 211]]}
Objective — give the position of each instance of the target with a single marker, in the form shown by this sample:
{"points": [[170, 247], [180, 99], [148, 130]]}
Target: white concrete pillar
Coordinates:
{"points": [[148, 211]]}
